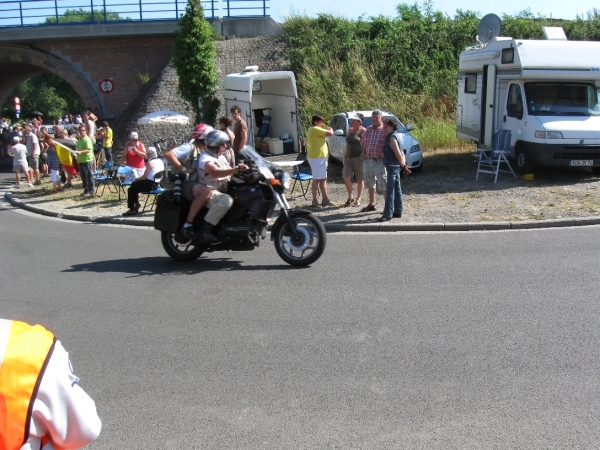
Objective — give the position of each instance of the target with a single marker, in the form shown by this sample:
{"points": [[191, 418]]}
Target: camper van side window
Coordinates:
{"points": [[508, 55], [471, 83], [514, 105]]}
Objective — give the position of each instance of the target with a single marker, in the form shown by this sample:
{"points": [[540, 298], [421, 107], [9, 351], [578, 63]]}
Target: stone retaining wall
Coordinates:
{"points": [[268, 53]]}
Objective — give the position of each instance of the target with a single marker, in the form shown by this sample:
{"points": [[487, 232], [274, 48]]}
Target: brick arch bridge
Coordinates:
{"points": [[128, 54], [18, 63], [84, 55]]}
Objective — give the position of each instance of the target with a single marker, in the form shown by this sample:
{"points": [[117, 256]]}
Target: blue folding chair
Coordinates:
{"points": [[302, 174], [122, 173], [156, 190], [104, 179], [489, 161]]}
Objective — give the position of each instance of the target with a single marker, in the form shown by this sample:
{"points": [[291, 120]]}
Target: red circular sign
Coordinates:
{"points": [[106, 85], [17, 100]]}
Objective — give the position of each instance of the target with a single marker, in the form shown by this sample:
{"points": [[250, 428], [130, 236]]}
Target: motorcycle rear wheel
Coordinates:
{"points": [[177, 247], [307, 247]]}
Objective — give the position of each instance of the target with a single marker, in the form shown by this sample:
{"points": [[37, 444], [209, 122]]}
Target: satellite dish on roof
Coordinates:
{"points": [[490, 27]]}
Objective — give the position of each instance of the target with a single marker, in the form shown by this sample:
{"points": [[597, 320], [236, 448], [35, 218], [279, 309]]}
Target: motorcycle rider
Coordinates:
{"points": [[214, 171], [184, 158]]}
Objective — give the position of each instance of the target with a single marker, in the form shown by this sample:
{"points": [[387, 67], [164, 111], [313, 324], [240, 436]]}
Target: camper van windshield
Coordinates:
{"points": [[562, 99]]}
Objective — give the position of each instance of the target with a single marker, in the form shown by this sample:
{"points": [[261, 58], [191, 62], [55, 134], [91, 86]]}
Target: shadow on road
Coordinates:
{"points": [[158, 265]]}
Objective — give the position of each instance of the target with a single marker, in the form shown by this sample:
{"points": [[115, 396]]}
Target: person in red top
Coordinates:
{"points": [[374, 170], [134, 155]]}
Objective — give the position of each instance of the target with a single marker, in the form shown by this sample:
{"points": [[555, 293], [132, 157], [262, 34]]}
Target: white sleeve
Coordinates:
{"points": [[62, 410]]}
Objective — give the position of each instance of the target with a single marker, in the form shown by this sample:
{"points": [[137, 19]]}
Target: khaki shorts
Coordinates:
{"points": [[33, 161], [374, 171], [354, 166], [20, 167]]}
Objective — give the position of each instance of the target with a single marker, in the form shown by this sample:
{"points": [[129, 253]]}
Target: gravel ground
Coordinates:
{"points": [[433, 196]]}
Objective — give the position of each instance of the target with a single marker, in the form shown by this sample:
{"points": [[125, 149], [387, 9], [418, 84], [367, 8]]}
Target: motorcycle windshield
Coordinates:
{"points": [[260, 162]]}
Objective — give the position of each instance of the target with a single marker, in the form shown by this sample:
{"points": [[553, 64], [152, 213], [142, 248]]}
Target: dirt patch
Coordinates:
{"points": [[444, 192]]}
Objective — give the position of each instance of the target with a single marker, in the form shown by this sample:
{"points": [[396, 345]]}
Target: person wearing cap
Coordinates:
{"points": [[353, 159], [19, 153], [134, 155], [145, 183], [85, 160], [43, 406], [374, 170]]}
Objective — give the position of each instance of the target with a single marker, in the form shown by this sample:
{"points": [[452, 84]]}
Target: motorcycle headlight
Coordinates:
{"points": [[286, 180]]}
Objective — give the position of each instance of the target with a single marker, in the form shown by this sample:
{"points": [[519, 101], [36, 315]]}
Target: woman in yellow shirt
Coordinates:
{"points": [[317, 155], [107, 142]]}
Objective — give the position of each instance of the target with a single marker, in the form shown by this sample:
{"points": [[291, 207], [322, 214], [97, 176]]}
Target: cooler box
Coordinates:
{"points": [[288, 146], [275, 146]]}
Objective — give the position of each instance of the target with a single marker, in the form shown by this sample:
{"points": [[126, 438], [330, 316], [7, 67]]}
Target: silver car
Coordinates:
{"points": [[341, 124]]}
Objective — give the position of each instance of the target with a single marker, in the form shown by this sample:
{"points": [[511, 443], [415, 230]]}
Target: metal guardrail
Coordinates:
{"points": [[23, 13]]}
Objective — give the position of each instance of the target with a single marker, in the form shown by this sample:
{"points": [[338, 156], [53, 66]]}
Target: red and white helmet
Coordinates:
{"points": [[201, 131]]}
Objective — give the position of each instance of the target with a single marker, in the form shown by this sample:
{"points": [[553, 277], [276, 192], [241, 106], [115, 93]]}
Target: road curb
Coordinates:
{"points": [[337, 227]]}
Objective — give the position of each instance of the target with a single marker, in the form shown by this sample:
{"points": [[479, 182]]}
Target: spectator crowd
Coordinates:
{"points": [[373, 158]]}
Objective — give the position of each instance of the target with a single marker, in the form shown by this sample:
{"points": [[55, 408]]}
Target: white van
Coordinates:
{"points": [[269, 104], [544, 91]]}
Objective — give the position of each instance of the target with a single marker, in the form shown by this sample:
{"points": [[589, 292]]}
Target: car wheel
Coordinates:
{"points": [[523, 160]]}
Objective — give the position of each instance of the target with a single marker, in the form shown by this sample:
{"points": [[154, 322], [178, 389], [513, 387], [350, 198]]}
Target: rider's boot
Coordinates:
{"points": [[206, 233]]}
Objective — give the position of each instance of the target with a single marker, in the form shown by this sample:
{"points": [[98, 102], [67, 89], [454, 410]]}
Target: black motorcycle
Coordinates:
{"points": [[299, 236]]}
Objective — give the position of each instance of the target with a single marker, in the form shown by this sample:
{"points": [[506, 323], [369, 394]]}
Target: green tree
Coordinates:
{"points": [[85, 15], [194, 55], [47, 93]]}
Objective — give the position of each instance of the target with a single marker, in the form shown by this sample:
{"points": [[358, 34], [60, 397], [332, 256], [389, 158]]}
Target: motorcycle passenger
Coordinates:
{"points": [[193, 190], [184, 157], [214, 171]]}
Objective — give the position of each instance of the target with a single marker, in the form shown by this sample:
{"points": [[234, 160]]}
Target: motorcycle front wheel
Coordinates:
{"points": [[178, 247], [307, 246]]}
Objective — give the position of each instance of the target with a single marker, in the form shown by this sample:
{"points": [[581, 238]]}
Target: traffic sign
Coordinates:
{"points": [[106, 85]]}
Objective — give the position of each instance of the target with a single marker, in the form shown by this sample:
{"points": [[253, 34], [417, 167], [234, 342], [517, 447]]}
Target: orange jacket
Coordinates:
{"points": [[24, 354]]}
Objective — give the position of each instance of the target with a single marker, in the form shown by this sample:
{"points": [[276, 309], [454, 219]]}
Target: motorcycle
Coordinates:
{"points": [[298, 235]]}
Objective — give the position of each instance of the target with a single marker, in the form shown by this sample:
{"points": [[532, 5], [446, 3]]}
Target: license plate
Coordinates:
{"points": [[581, 162]]}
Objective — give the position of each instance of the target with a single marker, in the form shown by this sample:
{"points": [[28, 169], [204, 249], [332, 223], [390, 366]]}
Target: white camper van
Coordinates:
{"points": [[269, 104], [544, 91]]}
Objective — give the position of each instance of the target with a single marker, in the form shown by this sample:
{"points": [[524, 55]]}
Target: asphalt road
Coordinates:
{"points": [[406, 340]]}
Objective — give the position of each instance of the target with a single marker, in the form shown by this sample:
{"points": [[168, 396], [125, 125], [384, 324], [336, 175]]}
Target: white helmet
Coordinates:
{"points": [[216, 138], [201, 131]]}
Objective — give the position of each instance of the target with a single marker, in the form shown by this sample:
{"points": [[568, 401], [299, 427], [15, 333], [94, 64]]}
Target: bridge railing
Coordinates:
{"points": [[22, 13]]}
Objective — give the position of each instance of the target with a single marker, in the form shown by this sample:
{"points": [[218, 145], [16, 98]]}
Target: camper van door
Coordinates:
{"points": [[246, 116], [513, 116], [488, 105]]}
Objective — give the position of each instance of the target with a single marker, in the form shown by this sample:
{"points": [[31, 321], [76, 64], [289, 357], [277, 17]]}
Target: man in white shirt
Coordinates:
{"points": [[19, 153], [33, 154]]}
